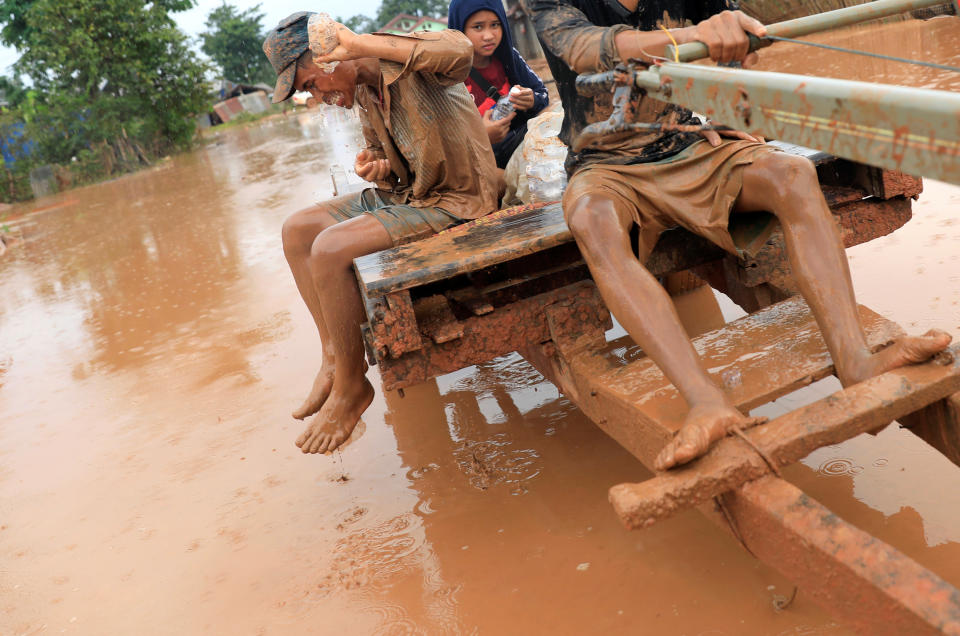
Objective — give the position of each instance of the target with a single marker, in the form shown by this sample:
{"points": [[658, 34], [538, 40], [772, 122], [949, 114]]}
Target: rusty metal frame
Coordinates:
{"points": [[910, 129], [861, 580]]}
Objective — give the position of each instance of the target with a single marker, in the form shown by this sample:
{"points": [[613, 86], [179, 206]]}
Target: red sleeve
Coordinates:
{"points": [[497, 76]]}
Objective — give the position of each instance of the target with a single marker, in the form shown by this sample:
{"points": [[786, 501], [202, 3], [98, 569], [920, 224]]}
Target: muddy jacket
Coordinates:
{"points": [[423, 120], [578, 37]]}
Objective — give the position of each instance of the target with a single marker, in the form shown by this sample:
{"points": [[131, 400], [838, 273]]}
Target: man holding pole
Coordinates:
{"points": [[663, 178]]}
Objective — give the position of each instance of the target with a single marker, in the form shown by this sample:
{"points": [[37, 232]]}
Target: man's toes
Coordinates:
{"points": [[318, 442], [302, 440], [685, 452], [754, 421], [328, 444], [664, 460], [940, 338]]}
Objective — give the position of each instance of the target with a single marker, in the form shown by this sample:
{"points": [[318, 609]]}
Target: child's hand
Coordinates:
{"points": [[522, 99], [497, 130], [369, 168]]}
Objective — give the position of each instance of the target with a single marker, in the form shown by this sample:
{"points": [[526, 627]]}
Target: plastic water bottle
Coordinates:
{"points": [[322, 31], [504, 106]]}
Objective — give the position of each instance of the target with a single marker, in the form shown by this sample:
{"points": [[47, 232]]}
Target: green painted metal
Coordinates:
{"points": [[815, 23], [909, 129]]}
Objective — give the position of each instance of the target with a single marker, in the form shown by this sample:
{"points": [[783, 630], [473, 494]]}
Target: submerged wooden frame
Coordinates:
{"points": [[516, 282]]}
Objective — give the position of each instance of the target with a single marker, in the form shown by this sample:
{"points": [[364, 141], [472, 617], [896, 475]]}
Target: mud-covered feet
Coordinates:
{"points": [[322, 385], [904, 351], [702, 427], [337, 418]]}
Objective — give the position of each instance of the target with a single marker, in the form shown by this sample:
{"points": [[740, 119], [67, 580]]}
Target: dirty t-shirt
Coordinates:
{"points": [[578, 37], [423, 120]]}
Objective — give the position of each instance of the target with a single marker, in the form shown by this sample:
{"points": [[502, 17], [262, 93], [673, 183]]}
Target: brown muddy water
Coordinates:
{"points": [[152, 345]]}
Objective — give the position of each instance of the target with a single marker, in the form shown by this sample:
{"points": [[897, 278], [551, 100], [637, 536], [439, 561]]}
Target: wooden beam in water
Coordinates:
{"points": [[787, 439], [859, 579], [862, 581]]}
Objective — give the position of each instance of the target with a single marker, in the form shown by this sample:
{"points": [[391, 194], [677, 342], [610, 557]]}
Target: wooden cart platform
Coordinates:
{"points": [[515, 281]]}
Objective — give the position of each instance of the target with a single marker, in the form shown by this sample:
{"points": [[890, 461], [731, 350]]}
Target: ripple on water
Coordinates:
{"points": [[839, 466], [371, 553], [491, 462]]}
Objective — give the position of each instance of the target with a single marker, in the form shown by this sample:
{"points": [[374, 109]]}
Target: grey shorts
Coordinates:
{"points": [[404, 223]]}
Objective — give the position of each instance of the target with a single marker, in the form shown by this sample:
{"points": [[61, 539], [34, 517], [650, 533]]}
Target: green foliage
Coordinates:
{"points": [[359, 23], [115, 72], [233, 40], [390, 8]]}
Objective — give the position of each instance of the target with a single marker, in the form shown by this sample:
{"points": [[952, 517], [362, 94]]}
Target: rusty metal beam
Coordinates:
{"points": [[910, 129], [862, 581], [859, 579], [509, 328], [789, 438]]}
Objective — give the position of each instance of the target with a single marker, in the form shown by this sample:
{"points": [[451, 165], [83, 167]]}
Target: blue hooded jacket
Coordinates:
{"points": [[513, 64]]}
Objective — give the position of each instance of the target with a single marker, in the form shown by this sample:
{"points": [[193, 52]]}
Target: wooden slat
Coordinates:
{"points": [[451, 253], [757, 358], [787, 439]]}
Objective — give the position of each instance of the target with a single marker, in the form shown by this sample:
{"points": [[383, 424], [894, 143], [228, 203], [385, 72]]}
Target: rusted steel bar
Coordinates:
{"points": [[862, 581], [859, 579], [806, 25], [507, 329], [787, 439], [909, 129]]}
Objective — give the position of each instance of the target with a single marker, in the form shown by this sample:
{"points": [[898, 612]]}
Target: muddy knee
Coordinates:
{"points": [[595, 224], [789, 183], [300, 229], [333, 248]]}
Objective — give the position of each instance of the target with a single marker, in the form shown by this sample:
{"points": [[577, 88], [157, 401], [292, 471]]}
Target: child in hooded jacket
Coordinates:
{"points": [[497, 67]]}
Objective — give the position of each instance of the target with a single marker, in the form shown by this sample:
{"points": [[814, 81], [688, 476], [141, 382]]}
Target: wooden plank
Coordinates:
{"points": [[831, 420], [456, 252], [757, 358]]}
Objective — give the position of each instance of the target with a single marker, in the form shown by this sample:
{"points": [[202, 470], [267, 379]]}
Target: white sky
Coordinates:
{"points": [[192, 21]]}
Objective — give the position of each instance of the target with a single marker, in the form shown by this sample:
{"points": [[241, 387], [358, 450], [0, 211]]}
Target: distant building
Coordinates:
{"points": [[406, 23]]}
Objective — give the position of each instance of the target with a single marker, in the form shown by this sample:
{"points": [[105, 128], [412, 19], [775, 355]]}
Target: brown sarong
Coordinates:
{"points": [[695, 189]]}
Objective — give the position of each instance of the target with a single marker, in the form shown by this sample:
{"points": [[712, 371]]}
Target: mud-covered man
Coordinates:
{"points": [[428, 155], [695, 180]]}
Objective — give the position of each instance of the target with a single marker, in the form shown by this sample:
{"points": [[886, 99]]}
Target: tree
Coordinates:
{"points": [[431, 8], [359, 23], [107, 71], [233, 40]]}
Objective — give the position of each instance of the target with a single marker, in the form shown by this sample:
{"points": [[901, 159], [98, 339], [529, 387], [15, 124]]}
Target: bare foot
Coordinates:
{"points": [[322, 386], [703, 426], [318, 394], [337, 418], [904, 351]]}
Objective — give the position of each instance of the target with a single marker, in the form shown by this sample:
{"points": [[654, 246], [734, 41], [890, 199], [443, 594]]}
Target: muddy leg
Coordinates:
{"points": [[331, 267], [788, 187], [299, 232], [645, 310]]}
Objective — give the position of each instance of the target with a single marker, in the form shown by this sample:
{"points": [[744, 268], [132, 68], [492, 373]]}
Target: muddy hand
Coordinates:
{"points": [[370, 168], [497, 130], [522, 99], [345, 49], [725, 35], [713, 137]]}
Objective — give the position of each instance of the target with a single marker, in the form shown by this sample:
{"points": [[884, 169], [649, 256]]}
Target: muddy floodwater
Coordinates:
{"points": [[152, 345]]}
